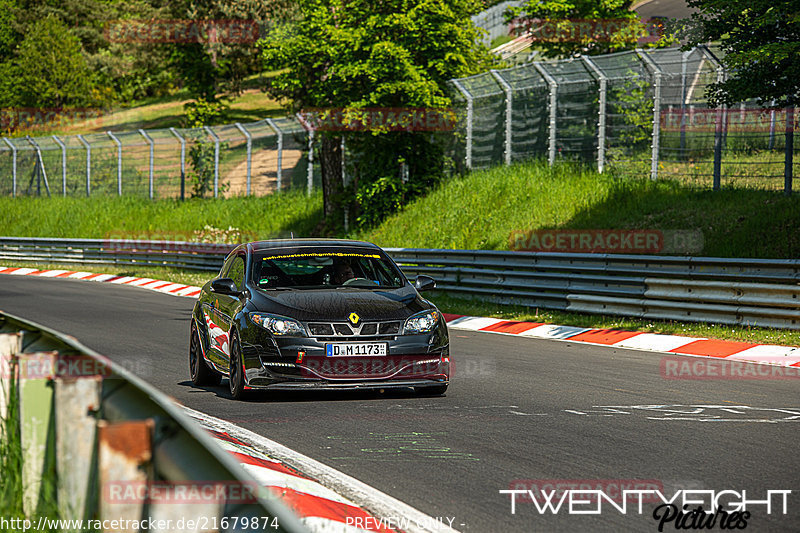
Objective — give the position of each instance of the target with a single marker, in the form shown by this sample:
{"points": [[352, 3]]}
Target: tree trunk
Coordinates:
{"points": [[331, 162]]}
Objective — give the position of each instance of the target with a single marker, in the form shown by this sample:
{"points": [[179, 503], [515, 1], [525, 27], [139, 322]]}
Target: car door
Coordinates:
{"points": [[218, 342], [227, 306]]}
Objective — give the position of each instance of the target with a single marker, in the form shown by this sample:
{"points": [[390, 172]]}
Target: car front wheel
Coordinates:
{"points": [[236, 372], [198, 369]]}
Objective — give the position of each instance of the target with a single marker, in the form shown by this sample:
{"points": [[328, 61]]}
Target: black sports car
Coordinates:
{"points": [[317, 314]]}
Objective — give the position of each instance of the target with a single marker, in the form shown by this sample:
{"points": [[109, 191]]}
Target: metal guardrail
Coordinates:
{"points": [[89, 429], [187, 255], [758, 292]]}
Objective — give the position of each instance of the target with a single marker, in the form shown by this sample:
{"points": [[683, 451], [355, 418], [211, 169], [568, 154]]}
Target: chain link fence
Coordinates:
{"points": [[634, 113], [255, 158]]}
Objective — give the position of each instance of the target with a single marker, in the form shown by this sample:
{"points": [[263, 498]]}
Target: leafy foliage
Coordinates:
{"points": [[201, 153], [760, 40], [563, 28], [50, 69], [220, 64], [356, 54]]}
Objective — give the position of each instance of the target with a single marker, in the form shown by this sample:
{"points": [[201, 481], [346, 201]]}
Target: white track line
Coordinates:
{"points": [[369, 498]]}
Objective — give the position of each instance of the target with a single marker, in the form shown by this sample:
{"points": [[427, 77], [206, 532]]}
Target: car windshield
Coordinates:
{"points": [[324, 269]]}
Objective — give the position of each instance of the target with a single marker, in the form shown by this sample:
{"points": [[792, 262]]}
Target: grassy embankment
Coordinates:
{"points": [[478, 211]]}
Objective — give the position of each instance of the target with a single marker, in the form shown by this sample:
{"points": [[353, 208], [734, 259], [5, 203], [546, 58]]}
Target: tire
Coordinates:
{"points": [[198, 369], [236, 370], [437, 390]]}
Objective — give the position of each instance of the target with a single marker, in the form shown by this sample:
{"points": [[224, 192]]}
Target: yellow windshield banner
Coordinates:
{"points": [[325, 254]]}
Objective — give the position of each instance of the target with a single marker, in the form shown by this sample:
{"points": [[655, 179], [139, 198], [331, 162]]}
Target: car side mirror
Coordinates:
{"points": [[425, 283], [224, 286]]}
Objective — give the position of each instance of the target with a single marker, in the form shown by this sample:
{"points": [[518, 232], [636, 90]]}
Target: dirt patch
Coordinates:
{"points": [[263, 173]]}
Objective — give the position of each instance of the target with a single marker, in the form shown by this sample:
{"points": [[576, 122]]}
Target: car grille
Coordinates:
{"points": [[336, 331]]}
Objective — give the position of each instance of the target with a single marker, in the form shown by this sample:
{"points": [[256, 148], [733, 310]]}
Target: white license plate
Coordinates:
{"points": [[356, 350]]}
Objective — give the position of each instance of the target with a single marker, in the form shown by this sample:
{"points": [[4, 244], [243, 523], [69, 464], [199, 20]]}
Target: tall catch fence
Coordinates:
{"points": [[255, 158], [633, 113], [640, 113]]}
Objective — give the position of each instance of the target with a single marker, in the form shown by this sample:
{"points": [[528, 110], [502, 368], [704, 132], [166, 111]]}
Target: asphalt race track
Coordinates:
{"points": [[517, 409]]}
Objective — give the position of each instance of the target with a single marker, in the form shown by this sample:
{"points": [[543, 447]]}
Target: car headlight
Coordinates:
{"points": [[421, 322], [279, 325]]}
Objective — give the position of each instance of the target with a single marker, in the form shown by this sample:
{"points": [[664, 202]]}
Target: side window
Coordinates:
{"points": [[226, 266], [236, 272]]}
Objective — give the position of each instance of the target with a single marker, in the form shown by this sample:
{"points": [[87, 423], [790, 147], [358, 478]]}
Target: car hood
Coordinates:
{"points": [[338, 304]]}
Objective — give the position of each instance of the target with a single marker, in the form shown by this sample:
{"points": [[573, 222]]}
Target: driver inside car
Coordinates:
{"points": [[342, 272]]}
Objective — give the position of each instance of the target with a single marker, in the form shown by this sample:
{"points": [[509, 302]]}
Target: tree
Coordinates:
{"points": [[760, 40], [563, 28], [50, 70], [357, 54], [226, 52]]}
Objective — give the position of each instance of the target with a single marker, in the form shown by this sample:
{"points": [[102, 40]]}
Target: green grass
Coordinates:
{"points": [[129, 217], [483, 208]]}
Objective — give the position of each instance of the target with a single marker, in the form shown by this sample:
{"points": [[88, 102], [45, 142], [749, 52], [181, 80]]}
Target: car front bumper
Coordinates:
{"points": [[298, 363]]}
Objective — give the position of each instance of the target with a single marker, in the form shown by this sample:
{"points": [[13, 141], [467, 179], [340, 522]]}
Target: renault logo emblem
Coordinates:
{"points": [[354, 318]]}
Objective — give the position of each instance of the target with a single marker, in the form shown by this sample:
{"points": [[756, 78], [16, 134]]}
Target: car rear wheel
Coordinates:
{"points": [[236, 373], [437, 390], [198, 369]]}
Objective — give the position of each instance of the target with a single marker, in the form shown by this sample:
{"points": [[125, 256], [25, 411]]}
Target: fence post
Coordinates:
{"points": [[657, 73], [601, 123], [310, 173], [42, 172], [119, 162], [279, 133], [772, 127], [36, 371], [150, 142], [684, 68], [719, 120], [88, 164], [249, 152], [216, 159], [344, 185], [76, 400], [509, 102], [470, 112], [183, 161], [789, 150], [63, 165], [551, 158], [13, 167]]}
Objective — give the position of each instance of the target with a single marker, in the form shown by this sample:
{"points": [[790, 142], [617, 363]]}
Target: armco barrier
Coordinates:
{"points": [[759, 292], [89, 430]]}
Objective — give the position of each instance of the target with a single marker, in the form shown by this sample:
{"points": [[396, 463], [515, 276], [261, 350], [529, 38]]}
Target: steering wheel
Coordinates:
{"points": [[354, 280]]}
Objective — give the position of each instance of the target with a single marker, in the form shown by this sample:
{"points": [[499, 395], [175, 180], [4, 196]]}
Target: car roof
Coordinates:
{"points": [[278, 244]]}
